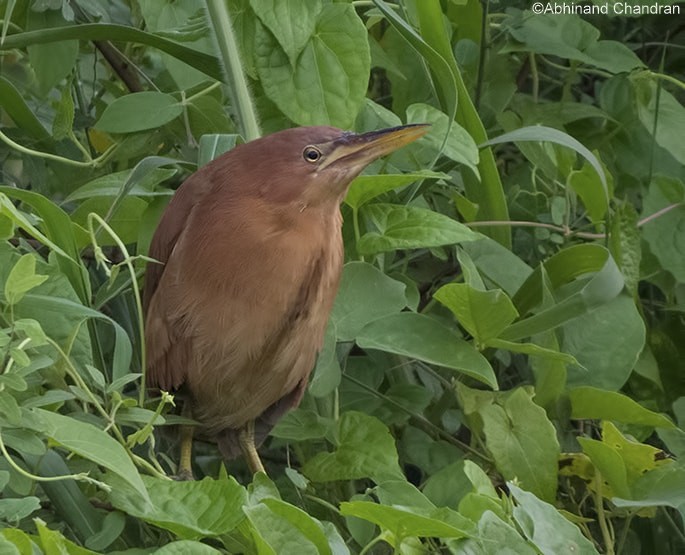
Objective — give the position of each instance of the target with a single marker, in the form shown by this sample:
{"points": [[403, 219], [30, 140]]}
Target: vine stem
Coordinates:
{"points": [[601, 516], [136, 291], [80, 477]]}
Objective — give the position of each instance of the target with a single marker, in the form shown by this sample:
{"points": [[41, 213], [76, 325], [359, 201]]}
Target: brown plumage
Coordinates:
{"points": [[251, 255]]}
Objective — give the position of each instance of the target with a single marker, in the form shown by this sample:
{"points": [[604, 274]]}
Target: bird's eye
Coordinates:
{"points": [[311, 154]]}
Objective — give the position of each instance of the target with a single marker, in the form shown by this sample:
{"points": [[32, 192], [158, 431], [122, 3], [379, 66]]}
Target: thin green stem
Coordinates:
{"points": [[220, 21], [136, 291], [80, 477], [94, 163], [601, 516], [534, 75]]}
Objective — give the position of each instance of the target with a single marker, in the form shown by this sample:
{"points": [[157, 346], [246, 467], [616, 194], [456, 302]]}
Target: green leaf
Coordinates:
{"points": [[22, 278], [14, 509], [549, 531], [51, 63], [191, 510], [365, 294], [110, 185], [445, 136], [139, 111], [607, 341], [16, 108], [183, 547], [598, 404], [53, 542], [408, 227], [214, 145], [609, 463], [365, 449], [327, 372], [292, 22], [494, 534], [308, 526], [64, 116], [484, 314], [367, 187], [626, 244], [548, 134], [328, 82], [404, 523], [301, 425], [523, 443], [565, 266], [656, 103], [532, 349], [90, 443], [587, 183], [667, 246], [121, 33], [420, 337]]}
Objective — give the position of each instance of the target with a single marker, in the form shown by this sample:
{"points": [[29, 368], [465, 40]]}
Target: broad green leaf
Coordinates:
{"points": [[365, 294], [274, 534], [367, 187], [183, 547], [301, 425], [661, 486], [364, 448], [498, 537], [292, 22], [568, 36], [420, 337], [606, 342], [13, 509], [542, 133], [670, 116], [110, 185], [22, 278], [404, 522], [328, 82], [14, 105], [565, 266], [446, 137], [607, 460], [139, 111], [307, 525], [125, 221], [598, 404], [51, 63], [408, 227], [205, 63], [90, 443], [549, 531], [186, 23], [58, 234], [587, 183], [213, 146], [327, 372], [666, 245], [58, 307], [191, 510], [498, 264], [53, 542], [484, 314], [68, 500], [523, 443], [532, 349]]}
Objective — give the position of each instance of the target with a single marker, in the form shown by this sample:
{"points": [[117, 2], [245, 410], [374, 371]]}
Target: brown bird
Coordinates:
{"points": [[251, 254]]}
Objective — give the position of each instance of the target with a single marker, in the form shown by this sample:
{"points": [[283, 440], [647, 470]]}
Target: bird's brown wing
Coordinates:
{"points": [[166, 353]]}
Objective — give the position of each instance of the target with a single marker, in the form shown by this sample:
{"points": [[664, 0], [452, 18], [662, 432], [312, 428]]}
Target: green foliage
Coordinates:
{"points": [[502, 371]]}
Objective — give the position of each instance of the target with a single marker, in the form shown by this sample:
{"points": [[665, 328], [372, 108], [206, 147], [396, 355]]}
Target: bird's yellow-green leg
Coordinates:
{"points": [[185, 464], [247, 445]]}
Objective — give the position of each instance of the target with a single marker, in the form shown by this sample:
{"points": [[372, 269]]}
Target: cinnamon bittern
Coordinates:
{"points": [[251, 255]]}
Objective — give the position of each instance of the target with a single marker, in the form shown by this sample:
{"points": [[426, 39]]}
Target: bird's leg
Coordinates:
{"points": [[246, 440], [185, 463]]}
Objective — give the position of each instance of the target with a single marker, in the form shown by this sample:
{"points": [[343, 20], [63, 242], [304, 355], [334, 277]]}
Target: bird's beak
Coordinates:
{"points": [[362, 149]]}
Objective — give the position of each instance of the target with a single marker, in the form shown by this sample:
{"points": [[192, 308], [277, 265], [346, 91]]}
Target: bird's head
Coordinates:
{"points": [[311, 166]]}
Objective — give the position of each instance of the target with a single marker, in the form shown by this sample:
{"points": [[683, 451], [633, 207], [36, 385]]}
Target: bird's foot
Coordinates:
{"points": [[184, 475]]}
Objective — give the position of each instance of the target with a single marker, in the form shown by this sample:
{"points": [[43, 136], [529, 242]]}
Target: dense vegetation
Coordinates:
{"points": [[503, 368]]}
